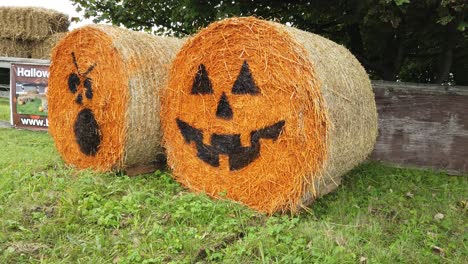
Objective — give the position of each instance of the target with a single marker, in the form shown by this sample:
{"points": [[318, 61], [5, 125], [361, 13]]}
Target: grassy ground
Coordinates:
{"points": [[54, 214], [30, 108], [4, 109]]}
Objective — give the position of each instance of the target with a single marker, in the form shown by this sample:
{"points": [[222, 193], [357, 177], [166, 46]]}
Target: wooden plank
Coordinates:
{"points": [[160, 163], [142, 169], [5, 62], [422, 126], [418, 88]]}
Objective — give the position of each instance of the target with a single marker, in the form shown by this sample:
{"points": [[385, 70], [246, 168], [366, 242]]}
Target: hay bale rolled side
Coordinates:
{"points": [[31, 23], [42, 49], [103, 103], [16, 48], [350, 103], [265, 114]]}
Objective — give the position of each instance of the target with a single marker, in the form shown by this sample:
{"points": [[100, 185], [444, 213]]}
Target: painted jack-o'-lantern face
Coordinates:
{"points": [[87, 99], [87, 131], [241, 117], [227, 144]]}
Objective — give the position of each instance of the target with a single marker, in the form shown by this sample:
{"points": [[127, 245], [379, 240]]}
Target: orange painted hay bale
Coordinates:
{"points": [[265, 114], [31, 23], [103, 103], [43, 48]]}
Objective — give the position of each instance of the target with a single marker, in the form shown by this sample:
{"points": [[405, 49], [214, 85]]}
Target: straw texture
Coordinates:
{"points": [[16, 48], [350, 105], [42, 49], [31, 23], [300, 105], [103, 96]]}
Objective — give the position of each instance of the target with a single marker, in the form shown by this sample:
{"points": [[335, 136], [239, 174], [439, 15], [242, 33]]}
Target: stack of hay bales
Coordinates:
{"points": [[265, 114], [43, 49], [30, 32], [103, 96]]}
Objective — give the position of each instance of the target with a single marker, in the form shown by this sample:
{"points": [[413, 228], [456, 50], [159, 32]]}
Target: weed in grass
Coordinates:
{"points": [[52, 213]]}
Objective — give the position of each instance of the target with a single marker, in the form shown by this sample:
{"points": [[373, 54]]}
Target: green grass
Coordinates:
{"points": [[30, 108], [4, 109], [52, 213]]}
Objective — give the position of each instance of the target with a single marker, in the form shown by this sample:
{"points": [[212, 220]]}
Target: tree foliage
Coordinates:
{"points": [[408, 40]]}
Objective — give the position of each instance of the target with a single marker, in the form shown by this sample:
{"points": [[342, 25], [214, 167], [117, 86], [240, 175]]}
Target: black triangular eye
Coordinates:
{"points": [[245, 83], [202, 84], [73, 82]]}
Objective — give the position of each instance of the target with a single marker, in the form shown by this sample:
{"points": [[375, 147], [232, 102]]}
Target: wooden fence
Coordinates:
{"points": [[422, 125]]}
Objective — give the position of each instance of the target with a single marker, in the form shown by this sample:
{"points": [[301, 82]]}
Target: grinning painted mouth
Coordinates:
{"points": [[229, 144]]}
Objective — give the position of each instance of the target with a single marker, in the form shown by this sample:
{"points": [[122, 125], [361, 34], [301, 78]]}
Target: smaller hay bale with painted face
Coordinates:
{"points": [[102, 96]]}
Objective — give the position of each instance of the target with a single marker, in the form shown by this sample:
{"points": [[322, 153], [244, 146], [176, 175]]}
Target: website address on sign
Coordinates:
{"points": [[34, 122]]}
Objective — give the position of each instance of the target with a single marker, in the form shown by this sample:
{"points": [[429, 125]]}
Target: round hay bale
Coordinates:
{"points": [[16, 48], [102, 96], [31, 23], [265, 114], [42, 49]]}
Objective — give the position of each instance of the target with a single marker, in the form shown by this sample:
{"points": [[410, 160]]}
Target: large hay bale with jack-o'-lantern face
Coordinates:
{"points": [[103, 96], [265, 114]]}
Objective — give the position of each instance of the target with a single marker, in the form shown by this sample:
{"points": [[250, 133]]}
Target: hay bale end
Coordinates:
{"points": [[103, 96], [265, 114]]}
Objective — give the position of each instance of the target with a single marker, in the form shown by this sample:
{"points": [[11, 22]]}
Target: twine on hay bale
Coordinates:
{"points": [[42, 49], [18, 48], [103, 96], [265, 114], [31, 23]]}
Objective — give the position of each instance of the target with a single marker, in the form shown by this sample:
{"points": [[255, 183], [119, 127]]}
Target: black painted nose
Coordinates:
{"points": [[224, 110]]}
